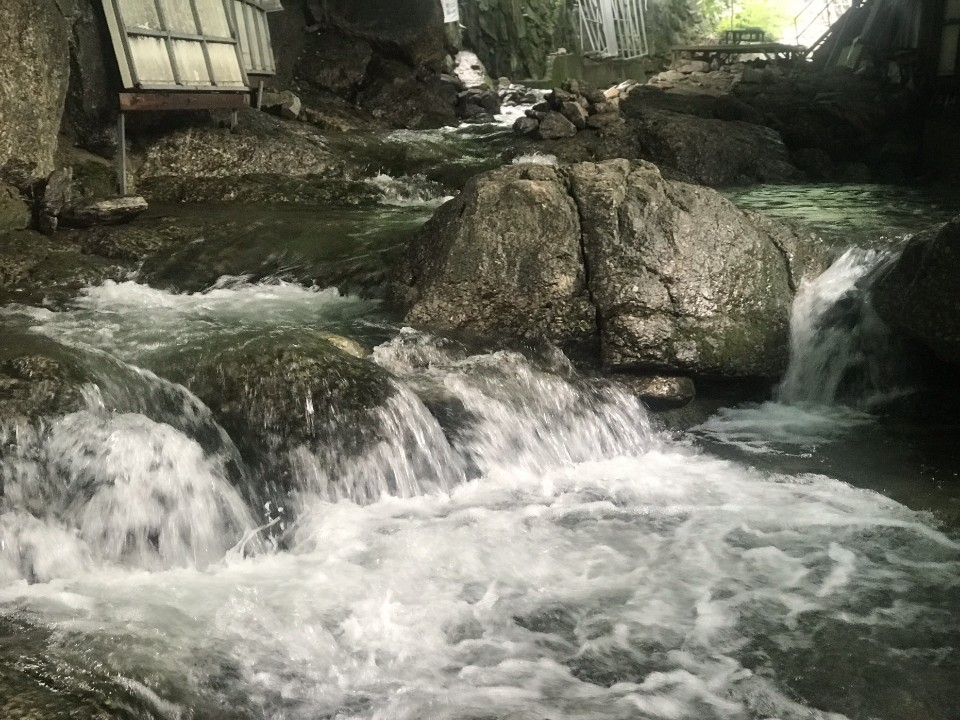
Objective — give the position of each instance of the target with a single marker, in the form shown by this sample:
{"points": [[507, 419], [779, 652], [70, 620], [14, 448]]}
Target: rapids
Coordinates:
{"points": [[522, 542]]}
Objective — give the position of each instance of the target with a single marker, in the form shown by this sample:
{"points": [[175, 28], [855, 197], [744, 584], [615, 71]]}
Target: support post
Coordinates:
{"points": [[122, 153], [260, 95], [233, 120]]}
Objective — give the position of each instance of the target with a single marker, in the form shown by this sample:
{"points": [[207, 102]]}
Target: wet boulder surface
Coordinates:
{"points": [[919, 293], [661, 275]]}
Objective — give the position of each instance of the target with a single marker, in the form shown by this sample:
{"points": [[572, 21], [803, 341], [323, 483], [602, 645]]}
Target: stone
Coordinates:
{"points": [[285, 104], [113, 211], [400, 95], [575, 113], [35, 63], [526, 126], [918, 294], [14, 212], [278, 396], [659, 392], [504, 259], [713, 152], [350, 347], [470, 70], [35, 385], [605, 121], [411, 30], [682, 280], [56, 196], [554, 126], [334, 61]]}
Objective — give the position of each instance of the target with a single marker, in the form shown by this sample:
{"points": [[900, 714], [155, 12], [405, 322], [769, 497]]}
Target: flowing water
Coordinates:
{"points": [[520, 541]]}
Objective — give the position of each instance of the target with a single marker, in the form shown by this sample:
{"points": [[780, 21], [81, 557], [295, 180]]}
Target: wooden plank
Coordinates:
{"points": [[141, 102]]}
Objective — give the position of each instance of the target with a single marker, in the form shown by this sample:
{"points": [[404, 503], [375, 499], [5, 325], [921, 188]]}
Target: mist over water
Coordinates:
{"points": [[519, 541]]}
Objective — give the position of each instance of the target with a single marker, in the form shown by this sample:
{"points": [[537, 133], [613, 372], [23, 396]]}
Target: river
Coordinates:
{"points": [[545, 548]]}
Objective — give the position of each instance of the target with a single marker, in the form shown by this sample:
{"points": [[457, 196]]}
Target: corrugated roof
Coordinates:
{"points": [[189, 44]]}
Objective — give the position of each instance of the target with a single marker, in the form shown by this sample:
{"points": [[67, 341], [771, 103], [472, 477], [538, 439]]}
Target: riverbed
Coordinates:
{"points": [[554, 550]]}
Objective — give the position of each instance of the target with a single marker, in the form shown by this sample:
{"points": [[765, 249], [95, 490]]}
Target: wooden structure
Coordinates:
{"points": [[726, 52]]}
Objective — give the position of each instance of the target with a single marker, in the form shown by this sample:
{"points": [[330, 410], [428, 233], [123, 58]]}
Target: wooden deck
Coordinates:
{"points": [[724, 53]]}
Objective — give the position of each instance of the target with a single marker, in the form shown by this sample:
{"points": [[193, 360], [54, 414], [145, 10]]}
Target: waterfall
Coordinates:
{"points": [[840, 350]]}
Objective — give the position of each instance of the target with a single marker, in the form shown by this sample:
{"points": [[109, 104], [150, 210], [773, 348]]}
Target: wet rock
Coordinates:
{"points": [[504, 259], [713, 152], [919, 294], [14, 212], [334, 61], [554, 125], [344, 344], [285, 104], [56, 196], [35, 386], [114, 211], [659, 392], [575, 113], [400, 95], [264, 158], [682, 280], [33, 86], [274, 393], [718, 107], [33, 265], [526, 126]]}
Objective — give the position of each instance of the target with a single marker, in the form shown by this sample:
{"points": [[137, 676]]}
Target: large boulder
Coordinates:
{"points": [[682, 280], [282, 395], [34, 70], [505, 258], [712, 151], [671, 276], [919, 294]]}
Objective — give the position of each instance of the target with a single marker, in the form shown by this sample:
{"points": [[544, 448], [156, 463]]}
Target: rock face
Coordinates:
{"points": [[711, 151], [34, 70], [671, 277], [265, 159], [504, 258], [14, 213], [919, 294], [682, 280]]}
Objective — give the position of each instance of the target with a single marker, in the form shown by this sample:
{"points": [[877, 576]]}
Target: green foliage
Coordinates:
{"points": [[772, 16]]}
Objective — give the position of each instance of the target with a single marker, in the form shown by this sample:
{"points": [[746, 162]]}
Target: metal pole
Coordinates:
{"points": [[122, 153]]}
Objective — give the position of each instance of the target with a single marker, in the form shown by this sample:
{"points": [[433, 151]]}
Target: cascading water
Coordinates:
{"points": [[843, 362], [839, 348], [517, 542]]}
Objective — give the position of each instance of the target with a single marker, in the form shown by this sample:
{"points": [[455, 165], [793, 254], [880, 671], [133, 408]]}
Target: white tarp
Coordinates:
{"points": [[451, 11]]}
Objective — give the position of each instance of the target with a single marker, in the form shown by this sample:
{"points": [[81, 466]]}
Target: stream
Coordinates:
{"points": [[521, 541]]}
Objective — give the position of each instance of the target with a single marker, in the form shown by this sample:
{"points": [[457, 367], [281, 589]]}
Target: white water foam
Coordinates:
{"points": [[619, 588], [536, 158], [132, 321], [842, 360], [409, 191]]}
